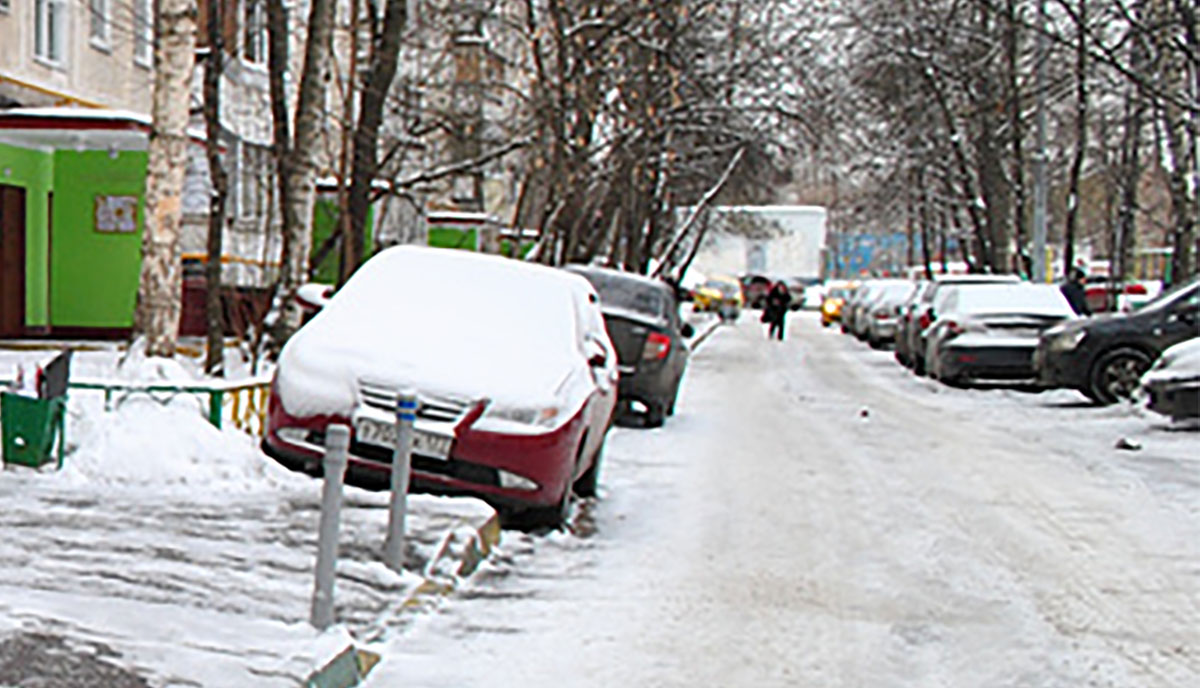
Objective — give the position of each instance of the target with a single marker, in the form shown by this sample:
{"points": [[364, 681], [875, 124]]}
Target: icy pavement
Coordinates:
{"points": [[817, 516]]}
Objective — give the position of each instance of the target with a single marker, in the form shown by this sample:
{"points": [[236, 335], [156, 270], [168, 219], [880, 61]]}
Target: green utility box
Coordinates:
{"points": [[30, 426]]}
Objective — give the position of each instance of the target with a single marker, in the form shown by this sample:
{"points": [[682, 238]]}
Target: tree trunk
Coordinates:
{"points": [[300, 177], [277, 67], [382, 71], [1081, 131], [214, 318], [1012, 42], [161, 282]]}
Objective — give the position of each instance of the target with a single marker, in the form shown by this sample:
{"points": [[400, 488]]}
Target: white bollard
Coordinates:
{"points": [[337, 445], [406, 414]]}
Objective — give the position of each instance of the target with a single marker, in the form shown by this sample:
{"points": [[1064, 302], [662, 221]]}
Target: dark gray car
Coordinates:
{"points": [[642, 317]]}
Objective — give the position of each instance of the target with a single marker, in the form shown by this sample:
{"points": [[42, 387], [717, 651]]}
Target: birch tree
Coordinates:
{"points": [[160, 284], [297, 165]]}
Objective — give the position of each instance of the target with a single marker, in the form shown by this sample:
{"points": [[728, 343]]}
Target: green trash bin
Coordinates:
{"points": [[29, 428]]}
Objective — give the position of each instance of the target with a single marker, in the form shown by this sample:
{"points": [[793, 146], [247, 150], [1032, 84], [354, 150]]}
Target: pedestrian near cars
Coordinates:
{"points": [[1075, 292], [775, 310]]}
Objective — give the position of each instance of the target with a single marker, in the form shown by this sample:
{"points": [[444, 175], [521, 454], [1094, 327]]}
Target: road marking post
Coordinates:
{"points": [[337, 445], [406, 415]]}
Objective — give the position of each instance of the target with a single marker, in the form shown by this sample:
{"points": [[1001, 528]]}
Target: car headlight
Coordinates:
{"points": [[544, 416], [1067, 341]]}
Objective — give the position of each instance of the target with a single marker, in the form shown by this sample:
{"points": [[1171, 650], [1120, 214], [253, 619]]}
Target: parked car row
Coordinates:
{"points": [[965, 329], [519, 370]]}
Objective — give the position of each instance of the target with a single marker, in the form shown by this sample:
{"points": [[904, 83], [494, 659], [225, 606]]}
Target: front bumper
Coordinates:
{"points": [[474, 466], [1177, 399], [1060, 368]]}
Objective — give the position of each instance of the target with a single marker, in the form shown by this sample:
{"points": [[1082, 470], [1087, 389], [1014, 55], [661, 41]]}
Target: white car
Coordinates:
{"points": [[515, 375], [1172, 385]]}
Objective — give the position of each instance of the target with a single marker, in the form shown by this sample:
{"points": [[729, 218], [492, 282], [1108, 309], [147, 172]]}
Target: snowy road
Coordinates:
{"points": [[816, 516]]}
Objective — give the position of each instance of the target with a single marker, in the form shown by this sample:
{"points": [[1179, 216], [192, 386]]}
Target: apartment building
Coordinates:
{"points": [[75, 85]]}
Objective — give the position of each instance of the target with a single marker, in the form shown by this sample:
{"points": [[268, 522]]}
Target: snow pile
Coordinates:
{"points": [[145, 443]]}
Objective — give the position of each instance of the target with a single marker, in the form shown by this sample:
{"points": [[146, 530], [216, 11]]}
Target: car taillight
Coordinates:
{"points": [[954, 328], [881, 315], [926, 319], [1135, 289], [657, 347]]}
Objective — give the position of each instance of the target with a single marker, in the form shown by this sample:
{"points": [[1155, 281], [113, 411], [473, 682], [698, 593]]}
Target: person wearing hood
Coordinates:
{"points": [[775, 310], [1075, 293]]}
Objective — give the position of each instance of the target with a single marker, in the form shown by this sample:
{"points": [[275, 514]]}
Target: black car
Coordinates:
{"points": [[642, 317], [1104, 356]]}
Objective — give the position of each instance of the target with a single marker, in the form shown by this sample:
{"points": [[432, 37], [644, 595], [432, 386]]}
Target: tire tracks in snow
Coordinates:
{"points": [[1083, 545]]}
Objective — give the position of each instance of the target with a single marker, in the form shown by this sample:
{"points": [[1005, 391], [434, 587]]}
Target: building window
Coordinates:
{"points": [[252, 182], [143, 32], [49, 30], [4, 6], [254, 40], [98, 22]]}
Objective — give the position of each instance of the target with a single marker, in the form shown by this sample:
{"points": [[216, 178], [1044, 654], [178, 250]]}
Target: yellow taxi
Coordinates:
{"points": [[721, 295], [836, 293]]}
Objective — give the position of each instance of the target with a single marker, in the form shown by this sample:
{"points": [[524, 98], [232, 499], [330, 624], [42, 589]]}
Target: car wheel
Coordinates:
{"points": [[546, 517], [585, 486], [655, 414], [1116, 374]]}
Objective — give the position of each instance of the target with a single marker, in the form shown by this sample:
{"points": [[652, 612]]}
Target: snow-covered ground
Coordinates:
{"points": [[813, 515], [817, 516], [183, 555]]}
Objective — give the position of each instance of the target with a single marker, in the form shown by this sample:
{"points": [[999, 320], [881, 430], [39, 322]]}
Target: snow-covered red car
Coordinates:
{"points": [[515, 375]]}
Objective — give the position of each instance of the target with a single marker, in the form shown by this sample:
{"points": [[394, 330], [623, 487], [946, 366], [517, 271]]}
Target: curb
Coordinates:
{"points": [[351, 666], [699, 338]]}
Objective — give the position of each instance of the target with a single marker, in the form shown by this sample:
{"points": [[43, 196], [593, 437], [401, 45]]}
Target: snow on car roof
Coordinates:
{"points": [[442, 321], [969, 279], [1020, 298]]}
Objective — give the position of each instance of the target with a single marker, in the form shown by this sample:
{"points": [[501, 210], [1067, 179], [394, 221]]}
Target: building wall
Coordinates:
{"points": [[33, 171], [88, 73], [94, 275]]}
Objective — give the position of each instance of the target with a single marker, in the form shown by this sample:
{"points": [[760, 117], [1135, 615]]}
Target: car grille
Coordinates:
{"points": [[438, 409]]}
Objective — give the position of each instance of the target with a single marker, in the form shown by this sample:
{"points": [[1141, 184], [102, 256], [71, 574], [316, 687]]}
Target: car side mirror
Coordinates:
{"points": [[1187, 314], [597, 354], [687, 330]]}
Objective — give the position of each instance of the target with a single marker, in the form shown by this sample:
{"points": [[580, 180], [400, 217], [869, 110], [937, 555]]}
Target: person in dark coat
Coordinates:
{"points": [[1075, 292], [779, 300]]}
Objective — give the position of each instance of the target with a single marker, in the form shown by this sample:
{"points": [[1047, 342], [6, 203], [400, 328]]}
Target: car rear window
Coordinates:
{"points": [[628, 294], [1042, 299]]}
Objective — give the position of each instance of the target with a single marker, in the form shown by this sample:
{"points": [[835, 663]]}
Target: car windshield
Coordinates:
{"points": [[1032, 299], [628, 294]]}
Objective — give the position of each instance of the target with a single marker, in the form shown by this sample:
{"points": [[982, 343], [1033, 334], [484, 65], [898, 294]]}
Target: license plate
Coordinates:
{"points": [[384, 435]]}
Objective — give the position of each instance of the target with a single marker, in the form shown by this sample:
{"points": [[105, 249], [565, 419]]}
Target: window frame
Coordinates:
{"points": [[143, 33], [50, 32], [100, 24]]}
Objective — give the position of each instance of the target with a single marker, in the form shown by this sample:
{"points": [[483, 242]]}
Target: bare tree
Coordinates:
{"points": [[160, 285], [215, 357]]}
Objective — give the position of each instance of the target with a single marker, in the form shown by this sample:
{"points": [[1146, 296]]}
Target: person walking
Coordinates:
{"points": [[1075, 292], [775, 310]]}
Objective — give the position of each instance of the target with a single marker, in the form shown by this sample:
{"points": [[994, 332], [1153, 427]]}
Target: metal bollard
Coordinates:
{"points": [[337, 444], [406, 414]]}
